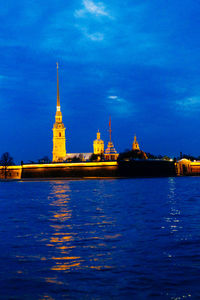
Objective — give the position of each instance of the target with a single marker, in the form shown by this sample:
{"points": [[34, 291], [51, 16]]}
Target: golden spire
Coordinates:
{"points": [[135, 144], [58, 95]]}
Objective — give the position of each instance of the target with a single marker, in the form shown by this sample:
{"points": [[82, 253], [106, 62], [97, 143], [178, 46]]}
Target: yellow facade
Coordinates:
{"points": [[187, 167], [98, 145], [59, 141], [135, 144]]}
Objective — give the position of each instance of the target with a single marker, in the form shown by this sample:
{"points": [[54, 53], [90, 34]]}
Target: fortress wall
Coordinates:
{"points": [[70, 171], [136, 168], [10, 172], [147, 168]]}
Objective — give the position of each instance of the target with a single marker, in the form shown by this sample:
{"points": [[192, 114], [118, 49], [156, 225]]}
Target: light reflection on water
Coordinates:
{"points": [[174, 214], [61, 237], [68, 237], [100, 239]]}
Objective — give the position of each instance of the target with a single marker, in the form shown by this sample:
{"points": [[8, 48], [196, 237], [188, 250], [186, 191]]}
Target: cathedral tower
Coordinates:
{"points": [[59, 141], [98, 145]]}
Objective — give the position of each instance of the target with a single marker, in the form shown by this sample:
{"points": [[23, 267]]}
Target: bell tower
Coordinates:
{"points": [[98, 145], [59, 141]]}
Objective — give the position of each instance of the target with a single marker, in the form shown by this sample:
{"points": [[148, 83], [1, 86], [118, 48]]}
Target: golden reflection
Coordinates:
{"points": [[53, 280], [46, 297], [66, 258], [62, 236], [64, 247], [100, 267], [64, 267]]}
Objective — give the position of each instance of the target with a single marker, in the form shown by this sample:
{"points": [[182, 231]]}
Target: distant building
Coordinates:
{"points": [[59, 141], [110, 153], [187, 167], [135, 144], [98, 145]]}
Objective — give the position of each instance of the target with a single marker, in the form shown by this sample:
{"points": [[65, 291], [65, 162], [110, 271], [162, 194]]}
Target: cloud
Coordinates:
{"points": [[119, 105], [90, 22], [95, 36], [112, 97], [91, 8], [190, 104]]}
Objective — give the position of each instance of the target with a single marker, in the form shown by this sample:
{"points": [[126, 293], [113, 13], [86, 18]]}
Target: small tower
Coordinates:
{"points": [[98, 144], [59, 141], [135, 144], [110, 153]]}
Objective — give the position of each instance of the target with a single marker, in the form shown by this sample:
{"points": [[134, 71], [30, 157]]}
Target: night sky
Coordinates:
{"points": [[136, 61]]}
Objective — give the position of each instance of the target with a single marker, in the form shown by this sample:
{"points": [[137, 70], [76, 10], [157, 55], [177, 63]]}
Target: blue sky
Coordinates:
{"points": [[136, 61]]}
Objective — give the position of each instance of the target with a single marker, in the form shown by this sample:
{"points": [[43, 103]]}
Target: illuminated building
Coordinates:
{"points": [[187, 167], [110, 153], [59, 141], [98, 145], [135, 144]]}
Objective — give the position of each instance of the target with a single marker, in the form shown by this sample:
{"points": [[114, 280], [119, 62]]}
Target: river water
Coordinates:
{"points": [[100, 239]]}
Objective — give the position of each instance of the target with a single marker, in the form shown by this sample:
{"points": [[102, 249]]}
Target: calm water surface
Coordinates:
{"points": [[100, 239]]}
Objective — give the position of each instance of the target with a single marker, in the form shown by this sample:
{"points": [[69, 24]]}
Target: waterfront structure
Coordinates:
{"points": [[110, 153], [135, 144], [100, 169], [98, 145], [59, 141], [187, 167], [61, 170]]}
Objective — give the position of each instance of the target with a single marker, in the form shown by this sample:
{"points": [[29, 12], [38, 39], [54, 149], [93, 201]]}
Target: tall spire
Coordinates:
{"points": [[135, 144], [59, 141], [58, 95], [110, 128]]}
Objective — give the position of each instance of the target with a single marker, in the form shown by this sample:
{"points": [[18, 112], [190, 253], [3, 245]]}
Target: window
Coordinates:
{"points": [[59, 134]]}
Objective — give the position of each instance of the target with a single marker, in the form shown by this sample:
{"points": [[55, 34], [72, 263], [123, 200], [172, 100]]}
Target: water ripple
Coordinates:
{"points": [[100, 239]]}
